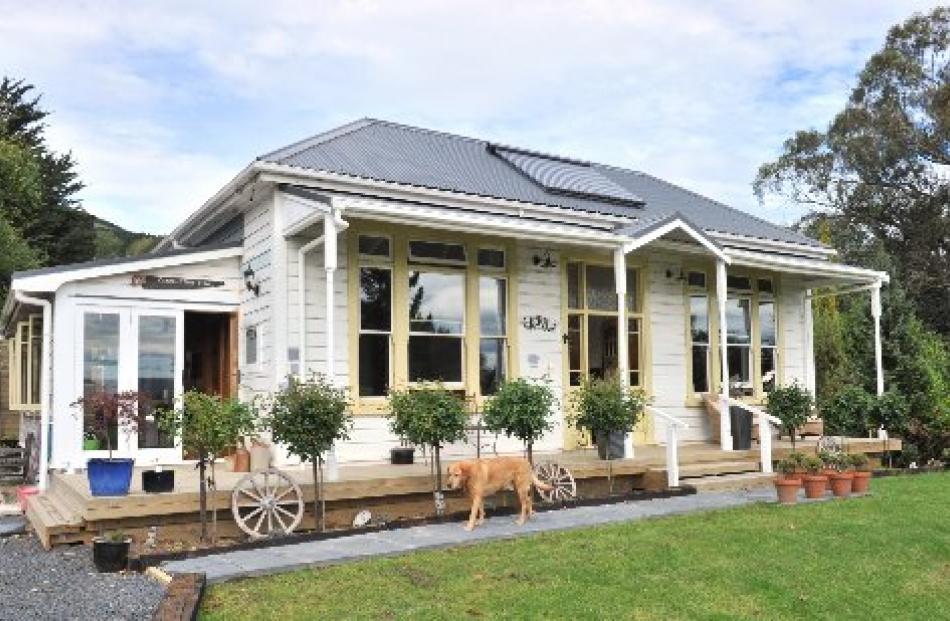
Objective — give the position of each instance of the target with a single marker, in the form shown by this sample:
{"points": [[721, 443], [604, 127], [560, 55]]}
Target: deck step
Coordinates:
{"points": [[692, 470], [731, 482], [51, 521]]}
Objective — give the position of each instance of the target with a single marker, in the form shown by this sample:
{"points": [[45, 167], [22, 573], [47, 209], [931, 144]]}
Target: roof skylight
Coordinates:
{"points": [[562, 176]]}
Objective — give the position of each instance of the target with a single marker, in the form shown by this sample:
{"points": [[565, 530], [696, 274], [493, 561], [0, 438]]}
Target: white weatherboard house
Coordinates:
{"points": [[384, 255]]}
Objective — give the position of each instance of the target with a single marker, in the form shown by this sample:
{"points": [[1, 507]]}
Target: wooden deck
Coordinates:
{"points": [[68, 513]]}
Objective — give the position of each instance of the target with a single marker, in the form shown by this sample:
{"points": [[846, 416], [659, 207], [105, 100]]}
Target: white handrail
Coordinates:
{"points": [[672, 445], [763, 420]]}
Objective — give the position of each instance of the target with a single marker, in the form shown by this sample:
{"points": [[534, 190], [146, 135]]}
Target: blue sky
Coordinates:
{"points": [[163, 102]]}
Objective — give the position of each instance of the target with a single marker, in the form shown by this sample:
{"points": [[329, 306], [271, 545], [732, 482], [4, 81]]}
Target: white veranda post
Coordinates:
{"points": [[876, 314], [623, 358], [330, 231], [725, 428]]}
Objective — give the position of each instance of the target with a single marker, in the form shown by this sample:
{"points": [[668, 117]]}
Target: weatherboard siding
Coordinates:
{"points": [[667, 315], [256, 309]]}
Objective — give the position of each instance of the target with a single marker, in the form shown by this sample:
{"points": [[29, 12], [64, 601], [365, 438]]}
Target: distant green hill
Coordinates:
{"points": [[114, 241]]}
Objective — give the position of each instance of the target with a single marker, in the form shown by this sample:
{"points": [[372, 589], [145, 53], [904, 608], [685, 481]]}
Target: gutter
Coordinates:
{"points": [[45, 383]]}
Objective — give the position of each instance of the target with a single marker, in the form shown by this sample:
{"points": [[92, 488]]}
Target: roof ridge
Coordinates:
{"points": [[321, 138]]}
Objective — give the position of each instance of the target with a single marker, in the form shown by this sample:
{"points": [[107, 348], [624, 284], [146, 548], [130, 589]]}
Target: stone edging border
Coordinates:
{"points": [[182, 598]]}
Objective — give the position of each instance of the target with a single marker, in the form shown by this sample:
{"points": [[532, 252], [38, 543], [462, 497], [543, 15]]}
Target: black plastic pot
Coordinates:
{"points": [[614, 440], [110, 556], [155, 482], [741, 421], [402, 455]]}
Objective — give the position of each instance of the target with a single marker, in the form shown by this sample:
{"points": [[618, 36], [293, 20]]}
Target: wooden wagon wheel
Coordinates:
{"points": [[560, 479], [267, 502]]}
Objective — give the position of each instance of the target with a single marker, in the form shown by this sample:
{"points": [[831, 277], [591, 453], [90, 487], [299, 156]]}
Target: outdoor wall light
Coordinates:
{"points": [[250, 281], [543, 260]]}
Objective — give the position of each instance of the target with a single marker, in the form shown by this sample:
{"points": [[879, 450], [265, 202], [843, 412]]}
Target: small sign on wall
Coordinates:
{"points": [[147, 281], [539, 323]]}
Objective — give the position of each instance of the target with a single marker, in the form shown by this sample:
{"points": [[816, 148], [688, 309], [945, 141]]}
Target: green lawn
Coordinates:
{"points": [[881, 557]]}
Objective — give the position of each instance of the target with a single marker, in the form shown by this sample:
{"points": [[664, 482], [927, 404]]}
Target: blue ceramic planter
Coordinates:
{"points": [[109, 477]]}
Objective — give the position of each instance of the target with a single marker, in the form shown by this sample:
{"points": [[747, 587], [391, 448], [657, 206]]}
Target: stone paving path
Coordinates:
{"points": [[290, 557]]}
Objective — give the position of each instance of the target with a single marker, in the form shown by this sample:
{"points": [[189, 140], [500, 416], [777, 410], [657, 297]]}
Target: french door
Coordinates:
{"points": [[131, 349]]}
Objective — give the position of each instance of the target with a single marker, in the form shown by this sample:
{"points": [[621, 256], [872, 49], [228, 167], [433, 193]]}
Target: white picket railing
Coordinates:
{"points": [[672, 445], [763, 420]]}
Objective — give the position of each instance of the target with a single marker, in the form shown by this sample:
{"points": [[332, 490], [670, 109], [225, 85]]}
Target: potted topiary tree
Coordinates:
{"points": [[786, 485], [841, 477], [521, 408], [605, 408], [814, 481], [208, 426], [110, 476], [428, 416], [308, 417], [861, 480], [791, 404]]}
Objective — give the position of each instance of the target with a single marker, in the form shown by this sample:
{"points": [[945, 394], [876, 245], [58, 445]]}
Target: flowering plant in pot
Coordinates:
{"points": [[841, 478], [110, 476], [110, 552], [786, 486], [862, 473], [829, 459], [815, 481]]}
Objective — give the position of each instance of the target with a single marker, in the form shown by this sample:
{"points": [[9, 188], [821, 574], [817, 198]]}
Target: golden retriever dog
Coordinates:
{"points": [[484, 477]]}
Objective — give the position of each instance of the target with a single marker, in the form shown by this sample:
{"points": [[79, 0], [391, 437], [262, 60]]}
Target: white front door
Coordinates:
{"points": [[132, 349]]}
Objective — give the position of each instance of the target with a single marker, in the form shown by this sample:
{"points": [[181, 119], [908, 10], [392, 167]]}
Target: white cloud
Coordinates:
{"points": [[161, 102]]}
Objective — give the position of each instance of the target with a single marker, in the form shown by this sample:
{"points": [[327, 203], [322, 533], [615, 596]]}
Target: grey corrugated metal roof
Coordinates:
{"points": [[386, 151], [69, 267]]}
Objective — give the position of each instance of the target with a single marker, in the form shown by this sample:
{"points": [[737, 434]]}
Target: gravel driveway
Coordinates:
{"points": [[63, 584]]}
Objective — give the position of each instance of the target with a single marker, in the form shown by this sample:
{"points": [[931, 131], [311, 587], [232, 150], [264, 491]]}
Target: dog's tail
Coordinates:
{"points": [[538, 483]]}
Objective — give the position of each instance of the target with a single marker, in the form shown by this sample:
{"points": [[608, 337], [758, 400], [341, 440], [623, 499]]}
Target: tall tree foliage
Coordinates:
{"points": [[876, 179], [47, 216], [879, 169]]}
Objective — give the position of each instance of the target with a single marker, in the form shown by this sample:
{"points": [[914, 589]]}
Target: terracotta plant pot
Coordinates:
{"points": [[841, 484], [861, 482], [787, 490], [242, 460], [815, 485]]}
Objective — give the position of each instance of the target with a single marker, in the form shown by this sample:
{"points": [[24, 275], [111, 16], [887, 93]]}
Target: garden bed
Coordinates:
{"points": [[146, 560]]}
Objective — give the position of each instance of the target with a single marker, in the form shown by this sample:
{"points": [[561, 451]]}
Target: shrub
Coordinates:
{"points": [[787, 466], [848, 412], [309, 417], [858, 461], [812, 464], [428, 416], [889, 411], [522, 409], [791, 404], [602, 406]]}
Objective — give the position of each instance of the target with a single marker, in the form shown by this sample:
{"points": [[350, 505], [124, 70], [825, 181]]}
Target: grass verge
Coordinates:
{"points": [[882, 557]]}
